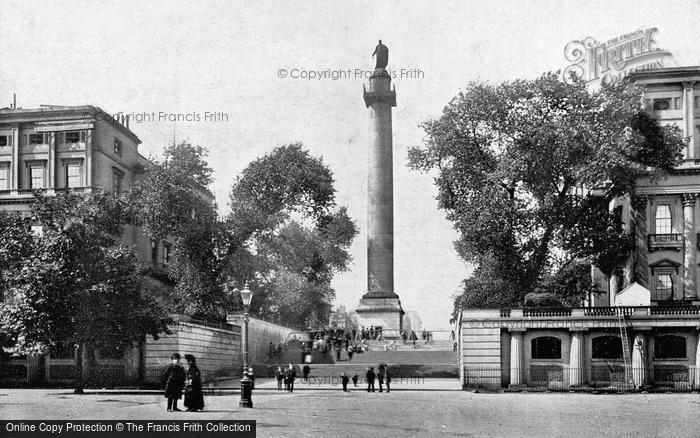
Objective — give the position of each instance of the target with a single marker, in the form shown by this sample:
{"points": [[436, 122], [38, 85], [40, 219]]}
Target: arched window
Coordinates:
{"points": [[546, 347], [669, 347], [607, 347]]}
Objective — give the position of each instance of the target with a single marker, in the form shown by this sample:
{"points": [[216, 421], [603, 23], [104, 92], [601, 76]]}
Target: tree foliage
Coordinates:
{"points": [[526, 171], [73, 280], [173, 202], [289, 236]]}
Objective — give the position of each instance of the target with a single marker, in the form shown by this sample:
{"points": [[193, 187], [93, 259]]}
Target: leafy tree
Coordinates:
{"points": [[526, 170], [173, 201], [74, 280], [287, 235]]}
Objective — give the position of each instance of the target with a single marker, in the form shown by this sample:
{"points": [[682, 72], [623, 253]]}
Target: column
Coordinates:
{"points": [[516, 358], [689, 241], [15, 158], [689, 119], [696, 384], [639, 360], [639, 224], [576, 360], [89, 145], [51, 164]]}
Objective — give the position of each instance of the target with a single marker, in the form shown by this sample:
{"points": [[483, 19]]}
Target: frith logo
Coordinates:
{"points": [[611, 61]]}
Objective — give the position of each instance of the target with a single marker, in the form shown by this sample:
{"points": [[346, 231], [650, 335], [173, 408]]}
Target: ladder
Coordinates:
{"points": [[626, 357]]}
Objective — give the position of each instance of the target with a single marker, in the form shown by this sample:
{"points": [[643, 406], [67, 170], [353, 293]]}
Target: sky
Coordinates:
{"points": [[252, 62]]}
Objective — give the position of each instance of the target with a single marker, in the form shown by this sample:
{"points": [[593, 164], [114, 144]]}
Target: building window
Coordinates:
{"points": [[73, 178], [117, 179], [75, 137], [4, 176], [662, 104], [696, 103], [663, 220], [166, 253], [546, 347], [5, 140], [37, 139], [607, 347], [36, 177], [117, 146], [154, 251], [664, 287], [669, 347]]}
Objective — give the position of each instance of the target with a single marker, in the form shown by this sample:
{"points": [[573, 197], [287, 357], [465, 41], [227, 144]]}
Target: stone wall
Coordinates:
{"points": [[260, 334], [217, 349]]}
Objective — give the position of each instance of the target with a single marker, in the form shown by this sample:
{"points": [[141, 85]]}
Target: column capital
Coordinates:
{"points": [[640, 202], [688, 85], [689, 199]]}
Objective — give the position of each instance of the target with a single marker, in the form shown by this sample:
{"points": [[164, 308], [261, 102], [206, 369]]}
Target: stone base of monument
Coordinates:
{"points": [[381, 312]]}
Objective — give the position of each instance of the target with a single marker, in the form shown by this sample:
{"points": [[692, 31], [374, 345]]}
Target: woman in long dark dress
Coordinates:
{"points": [[174, 379], [194, 399]]}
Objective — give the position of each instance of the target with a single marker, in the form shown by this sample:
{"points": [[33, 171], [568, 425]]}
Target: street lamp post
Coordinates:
{"points": [[246, 382]]}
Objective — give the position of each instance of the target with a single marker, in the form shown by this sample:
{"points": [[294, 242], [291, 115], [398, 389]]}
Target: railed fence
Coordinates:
{"points": [[612, 377]]}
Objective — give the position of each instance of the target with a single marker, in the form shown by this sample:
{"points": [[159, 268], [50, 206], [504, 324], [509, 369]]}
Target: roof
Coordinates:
{"points": [[670, 74], [85, 113]]}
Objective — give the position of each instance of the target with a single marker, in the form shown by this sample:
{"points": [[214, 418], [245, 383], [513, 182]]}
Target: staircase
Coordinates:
{"points": [[434, 359]]}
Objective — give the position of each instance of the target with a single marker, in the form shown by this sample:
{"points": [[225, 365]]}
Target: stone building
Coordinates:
{"points": [[76, 148], [643, 331], [81, 149]]}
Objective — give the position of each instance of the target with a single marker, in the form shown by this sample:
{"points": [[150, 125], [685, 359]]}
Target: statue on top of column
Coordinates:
{"points": [[382, 53]]}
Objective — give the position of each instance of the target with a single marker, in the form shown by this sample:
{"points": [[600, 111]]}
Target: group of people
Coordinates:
{"points": [[287, 376], [176, 379], [382, 376], [370, 333]]}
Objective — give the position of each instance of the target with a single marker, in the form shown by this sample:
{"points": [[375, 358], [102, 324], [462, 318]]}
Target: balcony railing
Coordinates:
{"points": [[659, 242], [675, 308], [547, 311]]}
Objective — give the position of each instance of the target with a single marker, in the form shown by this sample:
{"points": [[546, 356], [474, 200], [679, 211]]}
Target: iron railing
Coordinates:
{"points": [[609, 376], [664, 241]]}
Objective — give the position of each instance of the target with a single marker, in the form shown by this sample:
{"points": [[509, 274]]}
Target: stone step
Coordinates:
{"points": [[373, 357], [397, 371]]}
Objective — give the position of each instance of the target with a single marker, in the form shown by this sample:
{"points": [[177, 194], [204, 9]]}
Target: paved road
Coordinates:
{"points": [[401, 413]]}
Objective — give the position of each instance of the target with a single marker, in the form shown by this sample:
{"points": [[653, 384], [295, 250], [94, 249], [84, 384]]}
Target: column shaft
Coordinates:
{"points": [[689, 239], [516, 358], [696, 384], [576, 363], [639, 362], [689, 118]]}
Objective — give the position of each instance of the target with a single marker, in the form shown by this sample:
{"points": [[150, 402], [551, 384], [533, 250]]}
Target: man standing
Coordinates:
{"points": [[370, 379], [289, 376], [344, 380], [387, 376], [174, 380], [380, 377]]}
